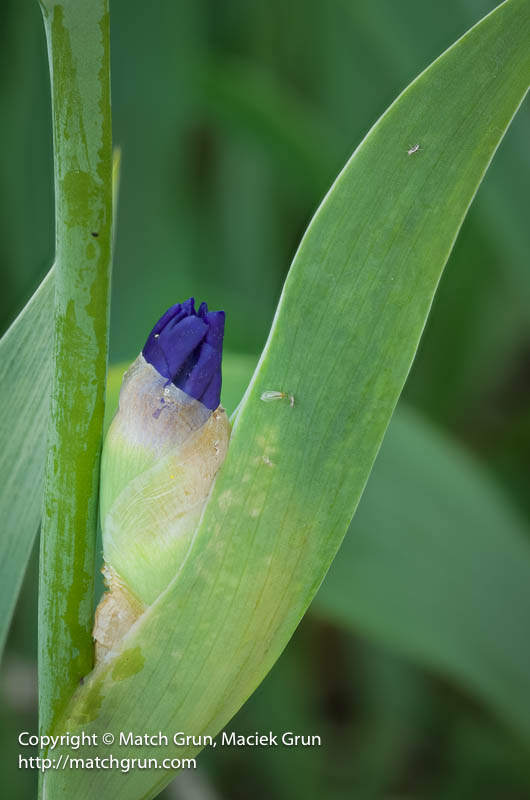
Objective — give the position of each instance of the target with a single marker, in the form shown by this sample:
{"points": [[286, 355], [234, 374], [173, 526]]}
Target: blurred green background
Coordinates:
{"points": [[233, 119]]}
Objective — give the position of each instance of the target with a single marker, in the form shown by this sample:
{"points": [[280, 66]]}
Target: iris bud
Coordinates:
{"points": [[160, 457]]}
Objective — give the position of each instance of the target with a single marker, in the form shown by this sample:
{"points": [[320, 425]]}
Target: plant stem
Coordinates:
{"points": [[77, 33]]}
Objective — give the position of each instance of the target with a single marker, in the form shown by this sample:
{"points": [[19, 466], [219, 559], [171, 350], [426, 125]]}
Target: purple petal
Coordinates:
{"points": [[212, 394], [180, 340], [186, 347]]}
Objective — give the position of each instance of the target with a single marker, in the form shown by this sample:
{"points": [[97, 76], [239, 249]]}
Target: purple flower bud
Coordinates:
{"points": [[186, 347]]}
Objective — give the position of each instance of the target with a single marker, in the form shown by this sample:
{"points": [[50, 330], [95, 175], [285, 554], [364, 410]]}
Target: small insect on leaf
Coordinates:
{"points": [[270, 396], [413, 149]]}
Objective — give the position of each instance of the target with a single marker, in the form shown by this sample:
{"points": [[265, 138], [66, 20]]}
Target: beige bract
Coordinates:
{"points": [[160, 458]]}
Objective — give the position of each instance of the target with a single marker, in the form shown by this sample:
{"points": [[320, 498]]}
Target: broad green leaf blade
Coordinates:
{"points": [[25, 377], [437, 565], [435, 562], [345, 334]]}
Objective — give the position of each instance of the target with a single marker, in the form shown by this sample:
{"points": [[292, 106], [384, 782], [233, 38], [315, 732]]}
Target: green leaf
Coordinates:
{"points": [[435, 561], [342, 342], [25, 378], [437, 565]]}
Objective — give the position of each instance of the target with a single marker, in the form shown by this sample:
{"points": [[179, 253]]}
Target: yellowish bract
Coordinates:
{"points": [[160, 458]]}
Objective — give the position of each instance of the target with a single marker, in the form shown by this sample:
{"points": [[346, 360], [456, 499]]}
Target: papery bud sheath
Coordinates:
{"points": [[160, 457]]}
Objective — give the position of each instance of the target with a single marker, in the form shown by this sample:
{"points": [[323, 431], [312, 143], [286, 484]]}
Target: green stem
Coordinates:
{"points": [[77, 32]]}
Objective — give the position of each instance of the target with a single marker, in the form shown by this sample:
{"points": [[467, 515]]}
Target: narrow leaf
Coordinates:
{"points": [[25, 377]]}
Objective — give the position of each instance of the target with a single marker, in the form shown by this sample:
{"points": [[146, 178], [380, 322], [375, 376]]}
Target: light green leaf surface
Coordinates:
{"points": [[25, 378], [344, 337], [435, 561]]}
